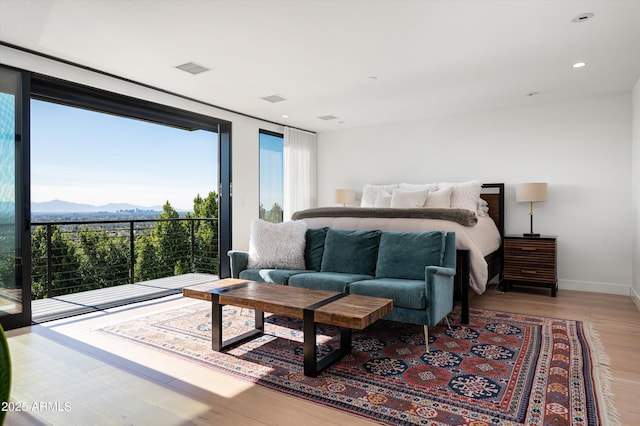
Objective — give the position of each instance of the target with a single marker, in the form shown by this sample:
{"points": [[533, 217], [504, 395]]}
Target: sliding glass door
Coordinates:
{"points": [[15, 286]]}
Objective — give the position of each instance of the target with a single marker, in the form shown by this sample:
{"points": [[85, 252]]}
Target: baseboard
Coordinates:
{"points": [[595, 287], [635, 296]]}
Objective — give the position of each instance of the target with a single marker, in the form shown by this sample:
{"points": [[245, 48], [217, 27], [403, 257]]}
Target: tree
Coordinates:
{"points": [[65, 262], [171, 239], [275, 214], [205, 233], [105, 259]]}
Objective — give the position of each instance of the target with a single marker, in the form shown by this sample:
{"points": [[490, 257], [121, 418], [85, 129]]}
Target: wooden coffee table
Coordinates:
{"points": [[311, 306]]}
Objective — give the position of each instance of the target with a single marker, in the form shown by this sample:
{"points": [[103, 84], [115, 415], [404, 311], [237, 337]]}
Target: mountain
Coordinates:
{"points": [[60, 206]]}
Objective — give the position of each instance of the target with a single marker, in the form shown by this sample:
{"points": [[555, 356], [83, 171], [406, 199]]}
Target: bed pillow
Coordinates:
{"points": [[383, 199], [418, 187], [408, 199], [440, 199], [370, 193], [277, 245], [406, 254], [350, 252], [465, 194]]}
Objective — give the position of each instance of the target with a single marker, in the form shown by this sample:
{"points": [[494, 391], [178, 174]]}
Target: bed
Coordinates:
{"points": [[479, 238]]}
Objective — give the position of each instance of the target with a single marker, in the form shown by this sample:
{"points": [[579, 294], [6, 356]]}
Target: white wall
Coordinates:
{"points": [[581, 148], [245, 148], [635, 186]]}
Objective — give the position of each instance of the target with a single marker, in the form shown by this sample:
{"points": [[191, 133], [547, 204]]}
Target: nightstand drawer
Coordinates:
{"points": [[525, 272], [530, 247]]}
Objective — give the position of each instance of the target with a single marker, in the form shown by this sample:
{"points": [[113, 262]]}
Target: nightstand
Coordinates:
{"points": [[531, 261]]}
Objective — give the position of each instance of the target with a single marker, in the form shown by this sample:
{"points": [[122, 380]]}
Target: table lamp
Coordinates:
{"points": [[531, 193], [345, 196]]}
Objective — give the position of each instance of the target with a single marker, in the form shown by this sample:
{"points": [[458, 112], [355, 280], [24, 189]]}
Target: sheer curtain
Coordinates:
{"points": [[300, 184]]}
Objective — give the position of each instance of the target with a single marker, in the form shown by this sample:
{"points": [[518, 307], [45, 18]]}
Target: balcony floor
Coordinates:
{"points": [[96, 300]]}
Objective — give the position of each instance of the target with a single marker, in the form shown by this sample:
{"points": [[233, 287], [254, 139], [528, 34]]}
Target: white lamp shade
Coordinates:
{"points": [[531, 192], [345, 196]]}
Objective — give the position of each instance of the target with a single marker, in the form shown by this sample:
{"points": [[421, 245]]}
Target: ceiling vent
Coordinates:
{"points": [[328, 117], [192, 68], [274, 98]]}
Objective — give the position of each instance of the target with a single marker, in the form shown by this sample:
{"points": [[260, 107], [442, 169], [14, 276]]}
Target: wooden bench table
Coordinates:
{"points": [[311, 306]]}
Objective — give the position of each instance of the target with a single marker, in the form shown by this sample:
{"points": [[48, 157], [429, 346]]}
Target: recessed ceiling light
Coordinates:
{"points": [[582, 17], [274, 98], [579, 64], [284, 116], [328, 117], [192, 68]]}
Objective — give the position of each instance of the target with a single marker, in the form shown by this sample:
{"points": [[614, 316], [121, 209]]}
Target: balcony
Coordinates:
{"points": [[85, 266]]}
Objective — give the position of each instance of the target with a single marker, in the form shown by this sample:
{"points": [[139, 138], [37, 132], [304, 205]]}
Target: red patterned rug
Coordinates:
{"points": [[501, 369]]}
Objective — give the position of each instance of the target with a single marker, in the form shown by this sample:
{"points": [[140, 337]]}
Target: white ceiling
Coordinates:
{"points": [[431, 58]]}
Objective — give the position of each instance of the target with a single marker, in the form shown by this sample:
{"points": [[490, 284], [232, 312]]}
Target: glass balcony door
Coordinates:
{"points": [[15, 290]]}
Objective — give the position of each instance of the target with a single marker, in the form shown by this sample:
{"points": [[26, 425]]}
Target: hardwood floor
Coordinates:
{"points": [[68, 372]]}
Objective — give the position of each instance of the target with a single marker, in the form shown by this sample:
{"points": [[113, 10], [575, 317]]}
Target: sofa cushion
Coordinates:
{"points": [[405, 293], [331, 281], [350, 252], [406, 254], [277, 245], [276, 276], [314, 248]]}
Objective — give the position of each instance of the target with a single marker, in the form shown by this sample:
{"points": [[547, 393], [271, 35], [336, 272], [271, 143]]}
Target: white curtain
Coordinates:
{"points": [[300, 183]]}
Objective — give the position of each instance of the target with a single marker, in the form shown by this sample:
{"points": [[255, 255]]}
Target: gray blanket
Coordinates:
{"points": [[461, 216]]}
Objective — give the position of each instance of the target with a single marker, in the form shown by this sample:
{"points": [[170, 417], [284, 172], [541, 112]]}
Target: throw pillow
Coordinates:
{"points": [[314, 248], [408, 199], [350, 252], [277, 245], [406, 254]]}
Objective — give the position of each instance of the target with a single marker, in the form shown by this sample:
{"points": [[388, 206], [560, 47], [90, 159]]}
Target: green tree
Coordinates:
{"points": [[275, 214], [147, 260], [205, 233], [65, 263], [105, 258], [171, 239]]}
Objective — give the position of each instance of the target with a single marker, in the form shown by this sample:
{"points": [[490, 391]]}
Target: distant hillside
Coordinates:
{"points": [[60, 206]]}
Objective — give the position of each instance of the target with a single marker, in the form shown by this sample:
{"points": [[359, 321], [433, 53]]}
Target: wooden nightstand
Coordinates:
{"points": [[531, 261]]}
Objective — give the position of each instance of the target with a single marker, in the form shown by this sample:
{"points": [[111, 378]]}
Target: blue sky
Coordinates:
{"points": [[88, 157], [271, 170]]}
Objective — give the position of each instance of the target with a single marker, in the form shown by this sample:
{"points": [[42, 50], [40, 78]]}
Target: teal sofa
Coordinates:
{"points": [[415, 269]]}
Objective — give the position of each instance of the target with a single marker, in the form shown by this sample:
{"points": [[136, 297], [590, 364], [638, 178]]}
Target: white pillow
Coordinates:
{"points": [[419, 187], [370, 193], [383, 199], [277, 245], [440, 199], [483, 207], [465, 194], [408, 199]]}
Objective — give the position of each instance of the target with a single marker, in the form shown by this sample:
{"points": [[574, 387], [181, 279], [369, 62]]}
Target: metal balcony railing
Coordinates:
{"points": [[75, 256]]}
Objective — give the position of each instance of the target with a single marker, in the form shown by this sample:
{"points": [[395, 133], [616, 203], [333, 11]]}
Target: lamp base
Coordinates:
{"points": [[531, 235]]}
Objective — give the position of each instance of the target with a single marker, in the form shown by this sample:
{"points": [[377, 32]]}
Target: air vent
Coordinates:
{"points": [[328, 117], [274, 98], [192, 68]]}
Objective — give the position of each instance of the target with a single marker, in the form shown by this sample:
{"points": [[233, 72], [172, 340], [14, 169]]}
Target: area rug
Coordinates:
{"points": [[500, 369]]}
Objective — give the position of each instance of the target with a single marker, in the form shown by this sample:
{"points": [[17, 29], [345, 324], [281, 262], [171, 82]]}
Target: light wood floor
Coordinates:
{"points": [[82, 376]]}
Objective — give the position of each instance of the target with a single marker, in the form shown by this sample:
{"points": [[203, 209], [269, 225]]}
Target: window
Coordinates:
{"points": [[271, 176]]}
